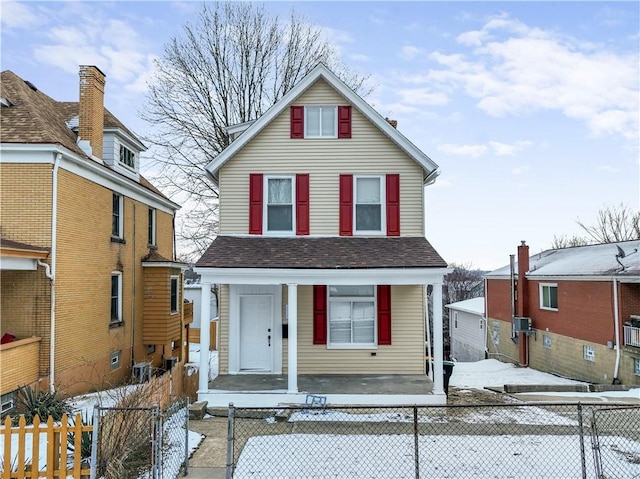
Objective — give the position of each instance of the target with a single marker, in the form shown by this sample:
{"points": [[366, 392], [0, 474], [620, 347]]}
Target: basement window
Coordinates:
{"points": [[636, 366], [589, 353], [115, 360]]}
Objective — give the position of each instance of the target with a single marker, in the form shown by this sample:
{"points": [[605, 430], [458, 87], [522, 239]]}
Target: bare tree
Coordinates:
{"points": [[614, 223], [464, 282], [228, 68], [564, 241]]}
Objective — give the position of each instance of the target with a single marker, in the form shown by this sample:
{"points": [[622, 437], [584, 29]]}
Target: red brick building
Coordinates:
{"points": [[576, 310]]}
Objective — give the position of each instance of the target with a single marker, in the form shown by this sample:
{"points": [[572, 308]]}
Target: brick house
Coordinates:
{"points": [[89, 285], [578, 309], [322, 257]]}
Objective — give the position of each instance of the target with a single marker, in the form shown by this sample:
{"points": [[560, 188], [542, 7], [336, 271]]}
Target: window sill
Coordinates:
{"points": [[352, 346], [116, 324], [548, 309], [115, 239]]}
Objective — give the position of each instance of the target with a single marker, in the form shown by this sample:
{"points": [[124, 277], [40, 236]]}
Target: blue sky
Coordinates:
{"points": [[531, 109]]}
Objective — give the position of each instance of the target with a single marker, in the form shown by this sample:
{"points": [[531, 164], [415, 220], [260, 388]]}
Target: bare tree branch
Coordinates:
{"points": [[614, 223], [233, 63]]}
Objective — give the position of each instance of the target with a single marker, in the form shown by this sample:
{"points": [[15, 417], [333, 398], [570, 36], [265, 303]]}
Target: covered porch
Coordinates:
{"points": [[398, 262]]}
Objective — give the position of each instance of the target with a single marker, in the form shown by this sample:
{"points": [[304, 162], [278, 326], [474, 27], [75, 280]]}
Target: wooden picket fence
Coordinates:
{"points": [[48, 444]]}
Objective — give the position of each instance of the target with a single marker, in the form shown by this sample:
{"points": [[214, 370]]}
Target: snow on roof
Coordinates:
{"points": [[473, 305], [591, 260]]}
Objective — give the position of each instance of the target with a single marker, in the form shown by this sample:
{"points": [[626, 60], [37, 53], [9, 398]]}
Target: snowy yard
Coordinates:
{"points": [[487, 453]]}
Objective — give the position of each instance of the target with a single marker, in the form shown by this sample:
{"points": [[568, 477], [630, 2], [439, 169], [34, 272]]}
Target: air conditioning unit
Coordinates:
{"points": [[141, 372], [169, 363], [521, 324]]}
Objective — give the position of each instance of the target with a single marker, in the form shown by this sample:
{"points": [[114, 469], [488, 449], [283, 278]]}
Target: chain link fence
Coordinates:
{"points": [[541, 440], [140, 442]]}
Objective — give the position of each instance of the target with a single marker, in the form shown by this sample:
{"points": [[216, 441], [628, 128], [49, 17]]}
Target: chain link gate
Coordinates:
{"points": [[140, 442], [615, 439]]}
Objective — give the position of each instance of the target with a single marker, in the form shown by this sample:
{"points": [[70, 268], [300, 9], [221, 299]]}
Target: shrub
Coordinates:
{"points": [[30, 402], [86, 438]]}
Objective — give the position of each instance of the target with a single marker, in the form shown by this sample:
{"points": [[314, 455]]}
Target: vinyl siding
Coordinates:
{"points": [[272, 152], [404, 356]]}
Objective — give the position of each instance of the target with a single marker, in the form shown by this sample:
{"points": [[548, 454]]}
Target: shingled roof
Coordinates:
{"points": [[320, 253], [35, 118]]}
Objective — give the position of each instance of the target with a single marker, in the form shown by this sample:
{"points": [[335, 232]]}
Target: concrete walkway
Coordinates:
{"points": [[209, 460]]}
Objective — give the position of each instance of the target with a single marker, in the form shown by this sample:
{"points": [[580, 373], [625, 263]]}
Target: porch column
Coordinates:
{"points": [[292, 308], [438, 350], [205, 313]]}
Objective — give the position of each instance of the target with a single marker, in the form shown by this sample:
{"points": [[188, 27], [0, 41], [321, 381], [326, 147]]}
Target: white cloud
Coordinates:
{"points": [[18, 15], [409, 52], [492, 147], [358, 57], [520, 170], [473, 151], [515, 69], [608, 168], [422, 96]]}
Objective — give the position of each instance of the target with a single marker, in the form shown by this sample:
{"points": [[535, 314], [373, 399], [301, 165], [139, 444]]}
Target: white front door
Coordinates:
{"points": [[256, 332]]}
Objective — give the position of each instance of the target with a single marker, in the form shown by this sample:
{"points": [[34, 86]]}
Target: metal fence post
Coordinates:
{"points": [[94, 442], [186, 436], [582, 453], [415, 441], [230, 428]]}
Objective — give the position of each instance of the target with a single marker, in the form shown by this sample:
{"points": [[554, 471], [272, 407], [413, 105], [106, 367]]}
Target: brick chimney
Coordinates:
{"points": [[91, 108], [393, 123], [522, 305]]}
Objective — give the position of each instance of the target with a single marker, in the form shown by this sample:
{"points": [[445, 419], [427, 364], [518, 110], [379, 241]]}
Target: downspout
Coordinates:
{"points": [[616, 328], [133, 289], [52, 272]]}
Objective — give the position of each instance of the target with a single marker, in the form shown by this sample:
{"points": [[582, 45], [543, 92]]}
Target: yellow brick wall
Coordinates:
{"points": [[86, 257], [25, 206]]}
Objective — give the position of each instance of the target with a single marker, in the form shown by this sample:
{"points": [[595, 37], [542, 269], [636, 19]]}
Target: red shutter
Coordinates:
{"points": [[320, 314], [393, 205], [255, 204], [297, 122], [302, 204], [344, 122], [384, 315], [346, 205]]}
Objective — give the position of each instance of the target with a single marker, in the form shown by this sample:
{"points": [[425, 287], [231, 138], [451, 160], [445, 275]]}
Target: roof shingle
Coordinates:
{"points": [[320, 253]]}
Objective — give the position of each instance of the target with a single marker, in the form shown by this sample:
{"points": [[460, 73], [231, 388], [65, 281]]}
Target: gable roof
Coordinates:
{"points": [[322, 72], [473, 306], [597, 260], [35, 118]]}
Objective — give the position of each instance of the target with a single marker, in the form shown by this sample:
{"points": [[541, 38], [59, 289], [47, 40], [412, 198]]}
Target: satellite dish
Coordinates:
{"points": [[621, 253]]}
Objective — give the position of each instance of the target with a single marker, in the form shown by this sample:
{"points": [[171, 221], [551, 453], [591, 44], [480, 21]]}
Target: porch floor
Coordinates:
{"points": [[323, 384]]}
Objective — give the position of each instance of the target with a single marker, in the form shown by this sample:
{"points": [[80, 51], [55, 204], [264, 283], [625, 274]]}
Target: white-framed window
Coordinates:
{"points": [[151, 229], [127, 157], [115, 360], [549, 296], [7, 403], [589, 352], [352, 316], [369, 213], [173, 287], [279, 209], [117, 216], [636, 366], [546, 341], [116, 297], [481, 321], [321, 122], [455, 320]]}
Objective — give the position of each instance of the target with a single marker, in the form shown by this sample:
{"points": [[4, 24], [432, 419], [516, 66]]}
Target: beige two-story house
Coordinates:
{"points": [[322, 257], [89, 285]]}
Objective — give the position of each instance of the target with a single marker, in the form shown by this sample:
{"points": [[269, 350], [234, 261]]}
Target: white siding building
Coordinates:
{"points": [[467, 330]]}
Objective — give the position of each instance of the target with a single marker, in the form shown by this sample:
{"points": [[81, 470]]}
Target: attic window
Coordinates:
{"points": [[127, 157]]}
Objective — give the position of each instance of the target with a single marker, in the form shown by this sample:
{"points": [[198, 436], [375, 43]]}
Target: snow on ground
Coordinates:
{"points": [[366, 456], [493, 373], [194, 358]]}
